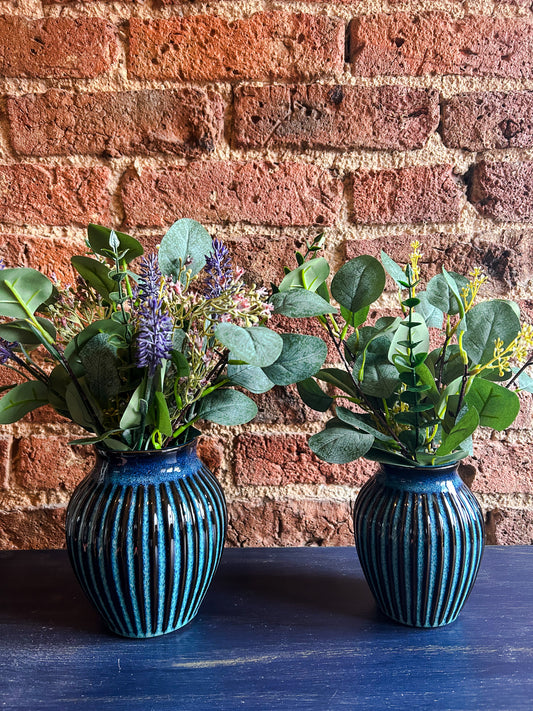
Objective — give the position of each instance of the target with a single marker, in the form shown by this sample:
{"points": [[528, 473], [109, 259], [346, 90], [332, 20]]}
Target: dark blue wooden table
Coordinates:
{"points": [[280, 629]]}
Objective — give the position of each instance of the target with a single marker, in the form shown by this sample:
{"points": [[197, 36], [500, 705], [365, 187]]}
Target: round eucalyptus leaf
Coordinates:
{"points": [[256, 345], [309, 275], [302, 356], [227, 407], [440, 295], [339, 445], [300, 303], [358, 283], [485, 323], [249, 377], [185, 245]]}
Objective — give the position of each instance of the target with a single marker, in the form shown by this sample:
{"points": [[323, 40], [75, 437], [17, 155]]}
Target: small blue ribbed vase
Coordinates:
{"points": [[145, 533], [419, 535]]}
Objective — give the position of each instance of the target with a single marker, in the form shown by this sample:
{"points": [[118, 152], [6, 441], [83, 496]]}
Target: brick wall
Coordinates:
{"points": [[269, 121]]}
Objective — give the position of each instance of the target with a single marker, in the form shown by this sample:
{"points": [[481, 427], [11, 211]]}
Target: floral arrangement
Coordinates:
{"points": [[413, 404], [138, 358]]}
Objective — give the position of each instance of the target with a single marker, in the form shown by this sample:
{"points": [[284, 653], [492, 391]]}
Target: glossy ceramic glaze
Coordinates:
{"points": [[145, 532], [419, 536]]}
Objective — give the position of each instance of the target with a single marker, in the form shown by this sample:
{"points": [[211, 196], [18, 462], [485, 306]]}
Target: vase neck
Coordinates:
{"points": [[420, 478]]}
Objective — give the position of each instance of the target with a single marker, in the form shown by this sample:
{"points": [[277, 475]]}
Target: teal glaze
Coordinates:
{"points": [[419, 536], [145, 533]]}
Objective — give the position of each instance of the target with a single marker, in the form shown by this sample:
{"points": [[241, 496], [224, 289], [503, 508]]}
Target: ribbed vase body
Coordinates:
{"points": [[145, 533], [419, 536]]}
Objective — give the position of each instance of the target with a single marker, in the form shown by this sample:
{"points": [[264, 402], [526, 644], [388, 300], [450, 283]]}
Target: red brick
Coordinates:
{"points": [[184, 122], [50, 255], [278, 460], [218, 191], [305, 522], [263, 258], [59, 195], [434, 43], [406, 195], [506, 257], [263, 47], [283, 405], [56, 47], [48, 462], [492, 119], [340, 117], [506, 526], [211, 452], [32, 529], [499, 468], [503, 190]]}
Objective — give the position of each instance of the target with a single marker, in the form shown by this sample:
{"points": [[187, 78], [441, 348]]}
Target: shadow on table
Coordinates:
{"points": [[39, 589]]}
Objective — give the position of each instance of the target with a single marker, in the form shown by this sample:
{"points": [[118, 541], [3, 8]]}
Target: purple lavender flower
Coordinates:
{"points": [[150, 278], [2, 263], [154, 337], [219, 270], [6, 350]]}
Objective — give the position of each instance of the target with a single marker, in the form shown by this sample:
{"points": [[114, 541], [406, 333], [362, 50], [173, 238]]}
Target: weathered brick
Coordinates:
{"points": [[218, 191], [56, 47], [499, 467], [263, 47], [506, 257], [505, 526], [283, 405], [48, 462], [263, 257], [434, 43], [481, 120], [341, 117], [211, 452], [503, 190], [50, 255], [184, 122], [280, 459], [32, 529], [59, 195], [406, 195], [305, 522]]}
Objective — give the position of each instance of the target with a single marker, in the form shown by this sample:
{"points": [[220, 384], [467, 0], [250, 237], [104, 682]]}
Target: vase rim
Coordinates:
{"points": [[424, 467], [111, 453]]}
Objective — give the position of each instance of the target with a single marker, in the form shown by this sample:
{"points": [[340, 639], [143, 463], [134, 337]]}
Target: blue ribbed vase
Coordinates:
{"points": [[419, 535], [145, 533]]}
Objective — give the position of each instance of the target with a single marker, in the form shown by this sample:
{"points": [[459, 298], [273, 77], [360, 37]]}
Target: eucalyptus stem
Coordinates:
{"points": [[519, 372]]}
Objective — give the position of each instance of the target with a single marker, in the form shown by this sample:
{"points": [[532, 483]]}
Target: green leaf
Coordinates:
{"points": [[378, 377], [309, 275], [357, 420], [114, 330], [300, 303], [358, 283], [20, 331], [255, 345], [431, 314], [339, 445], [462, 429], [181, 364], [22, 399], [497, 406], [250, 377], [95, 274], [394, 270], [163, 423], [98, 238], [313, 395], [419, 335], [227, 407], [440, 294], [485, 323], [355, 319], [302, 356], [339, 378], [132, 415], [99, 359], [22, 291], [186, 241], [77, 408]]}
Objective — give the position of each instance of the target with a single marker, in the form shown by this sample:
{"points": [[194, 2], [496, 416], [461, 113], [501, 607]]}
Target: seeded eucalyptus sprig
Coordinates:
{"points": [[409, 404], [139, 355]]}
